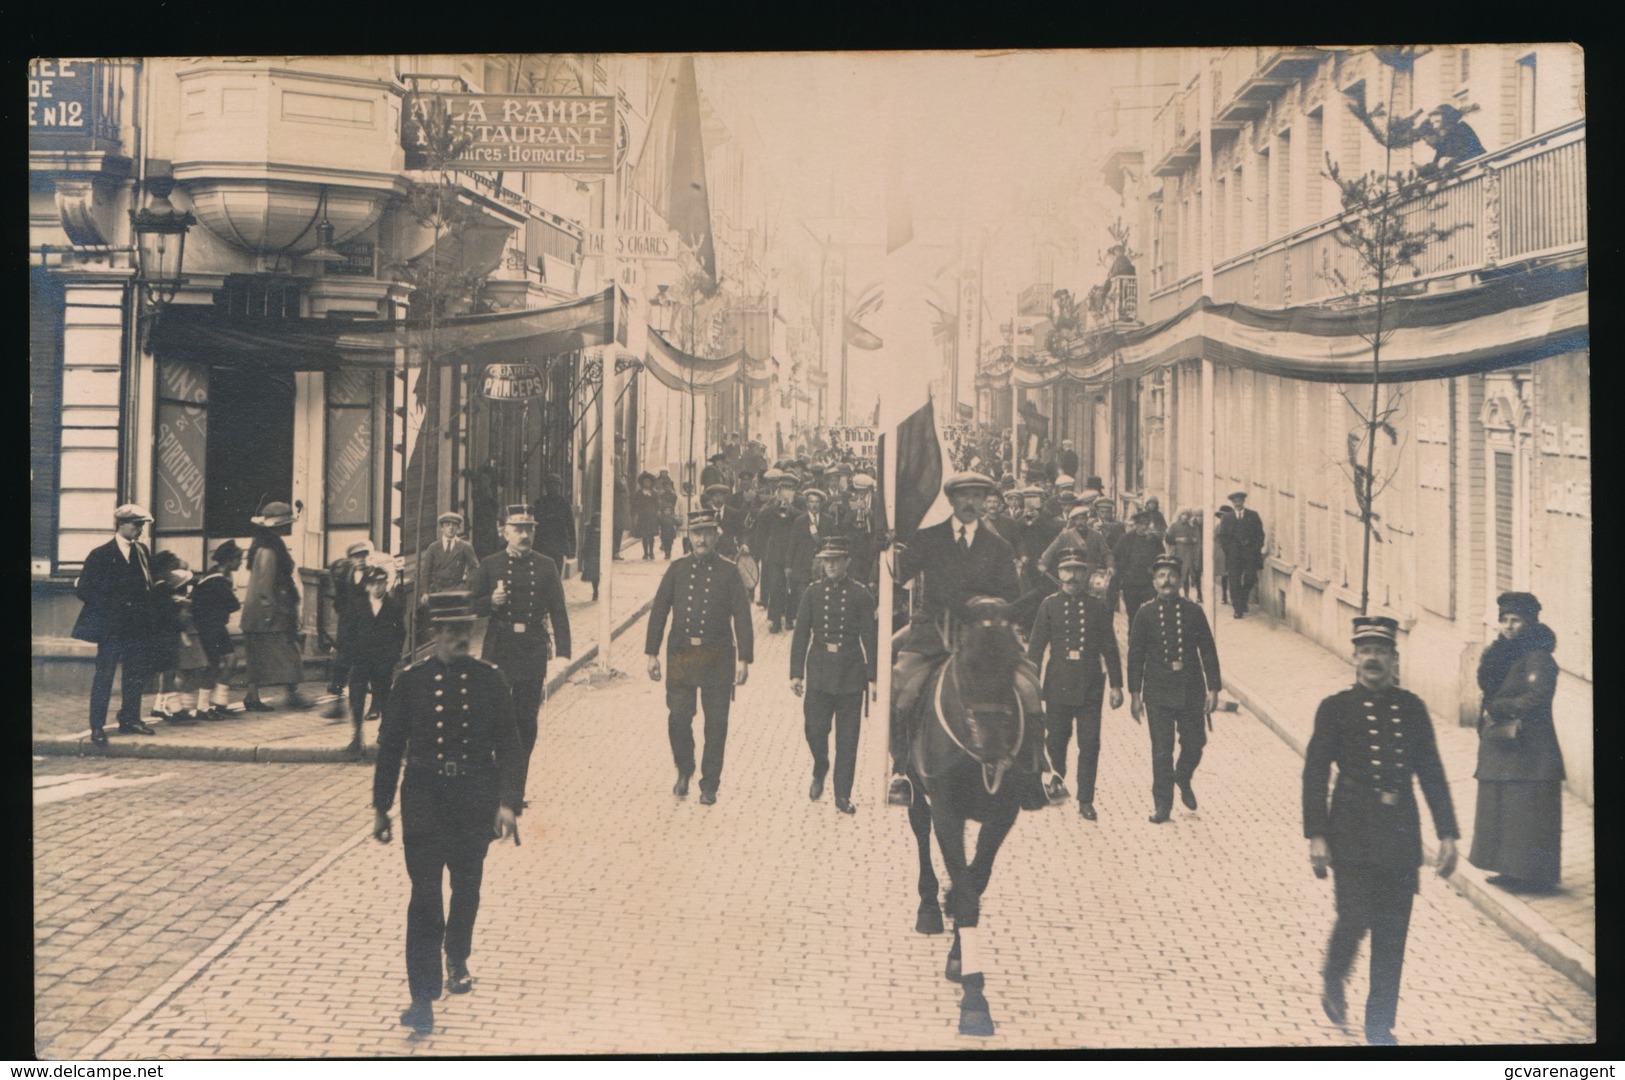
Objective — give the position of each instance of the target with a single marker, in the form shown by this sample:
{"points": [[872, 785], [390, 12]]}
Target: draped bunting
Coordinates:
{"points": [[678, 370], [1516, 319], [204, 334]]}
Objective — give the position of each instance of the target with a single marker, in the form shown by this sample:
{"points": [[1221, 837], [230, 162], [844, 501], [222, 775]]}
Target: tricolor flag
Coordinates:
{"points": [[670, 173]]}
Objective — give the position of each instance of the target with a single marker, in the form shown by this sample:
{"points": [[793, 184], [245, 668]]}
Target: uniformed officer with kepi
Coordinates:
{"points": [[833, 663], [1077, 630], [1379, 736], [1171, 657], [519, 588], [710, 650], [450, 717]]}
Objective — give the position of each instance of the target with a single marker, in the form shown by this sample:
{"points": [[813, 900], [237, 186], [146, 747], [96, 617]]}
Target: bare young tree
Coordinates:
{"points": [[1390, 220]]}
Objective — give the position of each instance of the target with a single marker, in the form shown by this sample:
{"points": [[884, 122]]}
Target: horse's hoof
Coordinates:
{"points": [[929, 920], [951, 972], [975, 1022]]}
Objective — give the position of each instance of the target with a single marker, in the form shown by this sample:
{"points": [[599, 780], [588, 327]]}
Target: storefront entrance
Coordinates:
{"points": [[250, 446]]}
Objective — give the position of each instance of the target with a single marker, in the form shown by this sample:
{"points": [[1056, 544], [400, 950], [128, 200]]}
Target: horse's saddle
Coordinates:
{"points": [[912, 675]]}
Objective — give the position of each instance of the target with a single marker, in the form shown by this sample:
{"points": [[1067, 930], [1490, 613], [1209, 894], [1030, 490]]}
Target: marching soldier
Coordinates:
{"points": [[709, 609], [1171, 656], [833, 662], [451, 718], [1077, 630], [1379, 736], [521, 591]]}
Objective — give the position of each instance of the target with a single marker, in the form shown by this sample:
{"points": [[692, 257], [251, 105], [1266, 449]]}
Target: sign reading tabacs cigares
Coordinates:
{"points": [[519, 132]]}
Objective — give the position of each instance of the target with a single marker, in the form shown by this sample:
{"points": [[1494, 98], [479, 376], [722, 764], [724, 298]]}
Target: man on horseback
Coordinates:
{"points": [[961, 560]]}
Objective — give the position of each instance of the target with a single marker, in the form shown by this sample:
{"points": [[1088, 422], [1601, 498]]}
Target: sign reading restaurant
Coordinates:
{"points": [[520, 132]]}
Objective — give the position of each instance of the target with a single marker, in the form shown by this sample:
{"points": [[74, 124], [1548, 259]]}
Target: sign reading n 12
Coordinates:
{"points": [[518, 132], [59, 97], [512, 382]]}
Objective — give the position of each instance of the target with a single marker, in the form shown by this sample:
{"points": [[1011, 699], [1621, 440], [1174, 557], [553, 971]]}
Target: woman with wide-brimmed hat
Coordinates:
{"points": [[270, 619], [1518, 827]]}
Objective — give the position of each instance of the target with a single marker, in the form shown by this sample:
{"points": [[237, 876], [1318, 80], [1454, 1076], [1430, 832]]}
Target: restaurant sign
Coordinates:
{"points": [[516, 132], [512, 382]]}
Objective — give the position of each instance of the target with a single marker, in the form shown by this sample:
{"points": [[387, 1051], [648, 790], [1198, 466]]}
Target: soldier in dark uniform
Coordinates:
{"points": [[1379, 736], [833, 663], [1077, 630], [520, 589], [1170, 657], [451, 718], [709, 609], [770, 542]]}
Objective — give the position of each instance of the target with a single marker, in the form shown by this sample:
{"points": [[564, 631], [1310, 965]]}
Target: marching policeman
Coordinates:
{"points": [[451, 718], [1379, 736], [709, 609], [832, 665], [520, 589], [1077, 630], [1170, 656]]}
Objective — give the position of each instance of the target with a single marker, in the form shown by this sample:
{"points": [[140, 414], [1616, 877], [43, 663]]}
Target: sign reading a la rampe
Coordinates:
{"points": [[523, 132], [512, 382]]}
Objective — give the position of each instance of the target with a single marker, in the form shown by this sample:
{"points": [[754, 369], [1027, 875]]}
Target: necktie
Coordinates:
{"points": [[964, 545], [141, 557]]}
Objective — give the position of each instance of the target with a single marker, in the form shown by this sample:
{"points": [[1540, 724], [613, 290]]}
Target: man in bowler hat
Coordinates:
{"points": [[709, 652], [450, 717], [1379, 736]]}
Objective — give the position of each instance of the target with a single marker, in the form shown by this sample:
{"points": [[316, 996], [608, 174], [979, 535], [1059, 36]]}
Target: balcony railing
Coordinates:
{"points": [[1522, 202]]}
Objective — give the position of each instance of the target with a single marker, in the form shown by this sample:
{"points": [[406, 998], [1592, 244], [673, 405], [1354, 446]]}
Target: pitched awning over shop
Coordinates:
{"points": [[678, 370], [1516, 319], [202, 334]]}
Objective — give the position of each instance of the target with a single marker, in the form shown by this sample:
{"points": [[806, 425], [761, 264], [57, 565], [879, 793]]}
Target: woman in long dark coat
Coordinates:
{"points": [[646, 514], [270, 619], [1518, 829]]}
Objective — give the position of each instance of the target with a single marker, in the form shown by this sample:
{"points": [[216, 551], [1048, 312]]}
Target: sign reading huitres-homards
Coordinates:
{"points": [[520, 132]]}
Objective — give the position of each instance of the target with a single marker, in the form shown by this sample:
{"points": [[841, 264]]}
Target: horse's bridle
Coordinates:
{"points": [[992, 772]]}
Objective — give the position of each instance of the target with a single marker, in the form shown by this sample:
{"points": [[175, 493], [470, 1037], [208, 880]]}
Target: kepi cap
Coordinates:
{"points": [[1375, 628], [835, 547], [449, 608], [519, 514], [1171, 562], [1073, 557], [703, 519]]}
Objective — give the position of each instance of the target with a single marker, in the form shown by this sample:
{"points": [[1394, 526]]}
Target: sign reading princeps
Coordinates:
{"points": [[521, 132], [512, 382]]}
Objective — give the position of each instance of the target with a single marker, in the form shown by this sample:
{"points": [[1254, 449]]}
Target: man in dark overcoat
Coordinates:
{"points": [[1076, 629], [833, 664], [378, 624], [709, 652], [1379, 736], [555, 523], [770, 542], [519, 589], [807, 535], [1173, 681], [862, 531], [116, 588], [1242, 537], [1132, 560], [450, 717]]}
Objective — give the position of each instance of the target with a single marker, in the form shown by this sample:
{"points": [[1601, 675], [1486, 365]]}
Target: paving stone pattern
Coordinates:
{"points": [[633, 922]]}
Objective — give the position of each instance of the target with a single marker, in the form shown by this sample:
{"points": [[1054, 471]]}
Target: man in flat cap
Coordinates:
{"points": [[450, 717], [116, 588], [863, 531], [1242, 536], [1076, 629], [709, 652], [449, 564], [345, 577], [1173, 681], [833, 664], [807, 535], [520, 589], [1379, 736]]}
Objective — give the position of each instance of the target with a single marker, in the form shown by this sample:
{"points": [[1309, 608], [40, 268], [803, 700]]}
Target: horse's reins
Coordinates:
{"points": [[992, 786]]}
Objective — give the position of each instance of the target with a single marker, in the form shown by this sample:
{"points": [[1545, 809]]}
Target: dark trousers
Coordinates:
{"points": [[1059, 721], [110, 655], [818, 709], [340, 668], [1377, 899], [446, 825], [717, 699], [1164, 722], [776, 585], [1242, 583], [527, 705], [376, 676]]}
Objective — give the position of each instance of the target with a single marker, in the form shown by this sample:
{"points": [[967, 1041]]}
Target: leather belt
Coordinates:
{"points": [[451, 770]]}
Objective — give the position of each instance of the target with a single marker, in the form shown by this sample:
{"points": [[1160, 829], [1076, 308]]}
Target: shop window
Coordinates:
{"points": [[352, 448], [180, 453], [262, 296]]}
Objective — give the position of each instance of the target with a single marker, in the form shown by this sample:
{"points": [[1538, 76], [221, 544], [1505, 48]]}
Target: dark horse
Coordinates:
{"points": [[966, 762]]}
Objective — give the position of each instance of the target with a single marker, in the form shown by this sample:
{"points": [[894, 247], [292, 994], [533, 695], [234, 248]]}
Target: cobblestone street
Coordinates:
{"points": [[633, 922]]}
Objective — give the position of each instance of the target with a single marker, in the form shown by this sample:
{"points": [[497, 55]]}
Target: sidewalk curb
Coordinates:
{"points": [[79, 745], [1518, 919]]}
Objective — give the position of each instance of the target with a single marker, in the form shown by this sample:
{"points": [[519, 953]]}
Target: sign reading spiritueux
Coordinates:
{"points": [[519, 132], [512, 382]]}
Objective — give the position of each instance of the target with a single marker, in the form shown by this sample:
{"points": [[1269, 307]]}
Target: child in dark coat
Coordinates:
{"points": [[214, 599]]}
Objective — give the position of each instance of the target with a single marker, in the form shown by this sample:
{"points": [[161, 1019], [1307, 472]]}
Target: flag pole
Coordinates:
{"points": [[885, 613], [1204, 98]]}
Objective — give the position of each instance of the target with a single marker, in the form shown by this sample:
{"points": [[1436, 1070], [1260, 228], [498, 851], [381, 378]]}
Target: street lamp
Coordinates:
{"points": [[160, 240]]}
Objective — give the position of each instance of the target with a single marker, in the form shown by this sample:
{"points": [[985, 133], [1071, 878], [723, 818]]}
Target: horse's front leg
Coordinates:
{"points": [[988, 840], [929, 918], [950, 829]]}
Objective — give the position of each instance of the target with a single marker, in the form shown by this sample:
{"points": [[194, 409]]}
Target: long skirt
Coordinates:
{"points": [[273, 659], [1518, 829]]}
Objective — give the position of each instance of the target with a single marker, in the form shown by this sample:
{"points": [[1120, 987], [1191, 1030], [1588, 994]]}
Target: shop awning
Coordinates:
{"points": [[204, 334], [1517, 319], [678, 370]]}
